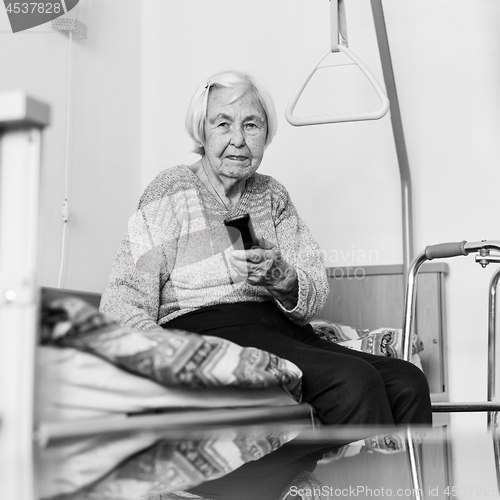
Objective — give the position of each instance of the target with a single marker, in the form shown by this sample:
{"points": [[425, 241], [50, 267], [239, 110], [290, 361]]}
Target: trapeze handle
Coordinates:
{"points": [[337, 117]]}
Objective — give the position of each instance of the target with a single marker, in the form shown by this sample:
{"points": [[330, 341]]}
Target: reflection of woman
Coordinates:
{"points": [[280, 475], [177, 269]]}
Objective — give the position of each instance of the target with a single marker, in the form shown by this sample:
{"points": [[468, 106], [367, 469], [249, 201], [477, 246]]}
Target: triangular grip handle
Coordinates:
{"points": [[337, 117]]}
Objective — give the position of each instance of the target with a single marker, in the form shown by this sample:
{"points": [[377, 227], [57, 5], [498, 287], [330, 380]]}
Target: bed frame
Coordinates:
{"points": [[22, 120], [374, 296], [363, 297]]}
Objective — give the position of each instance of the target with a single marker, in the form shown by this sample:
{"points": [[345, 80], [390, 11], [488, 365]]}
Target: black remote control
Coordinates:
{"points": [[241, 225]]}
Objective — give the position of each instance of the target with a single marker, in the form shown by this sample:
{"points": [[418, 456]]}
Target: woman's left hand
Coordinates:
{"points": [[265, 266]]}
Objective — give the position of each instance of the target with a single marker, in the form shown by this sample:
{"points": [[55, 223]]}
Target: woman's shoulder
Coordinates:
{"points": [[170, 176], [263, 182], [168, 182]]}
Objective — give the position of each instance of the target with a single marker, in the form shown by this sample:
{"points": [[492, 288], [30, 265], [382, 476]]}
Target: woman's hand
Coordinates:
{"points": [[264, 266]]}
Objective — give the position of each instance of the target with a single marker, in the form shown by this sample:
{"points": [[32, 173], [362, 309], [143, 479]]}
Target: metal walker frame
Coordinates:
{"points": [[484, 256]]}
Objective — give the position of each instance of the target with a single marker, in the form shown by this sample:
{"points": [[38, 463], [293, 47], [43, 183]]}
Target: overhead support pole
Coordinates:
{"points": [[397, 129]]}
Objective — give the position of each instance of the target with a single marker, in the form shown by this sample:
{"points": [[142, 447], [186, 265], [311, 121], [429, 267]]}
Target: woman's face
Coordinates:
{"points": [[235, 134]]}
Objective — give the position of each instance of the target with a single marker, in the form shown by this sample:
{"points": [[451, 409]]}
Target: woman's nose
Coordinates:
{"points": [[237, 137]]}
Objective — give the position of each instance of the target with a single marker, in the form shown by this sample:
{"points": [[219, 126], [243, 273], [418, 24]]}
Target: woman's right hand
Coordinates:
{"points": [[265, 266]]}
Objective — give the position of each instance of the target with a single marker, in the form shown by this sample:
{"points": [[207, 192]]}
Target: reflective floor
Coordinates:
{"points": [[456, 459]]}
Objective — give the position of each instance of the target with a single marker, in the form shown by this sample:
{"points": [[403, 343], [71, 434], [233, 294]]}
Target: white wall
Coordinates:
{"points": [[344, 178], [105, 134]]}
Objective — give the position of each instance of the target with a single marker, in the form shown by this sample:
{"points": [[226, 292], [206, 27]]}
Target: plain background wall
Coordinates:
{"points": [[104, 171]]}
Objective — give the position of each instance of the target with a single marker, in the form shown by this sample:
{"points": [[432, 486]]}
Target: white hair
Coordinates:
{"points": [[240, 83]]}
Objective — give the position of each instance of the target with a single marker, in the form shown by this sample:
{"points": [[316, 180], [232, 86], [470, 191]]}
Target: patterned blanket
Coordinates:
{"points": [[380, 341], [169, 357]]}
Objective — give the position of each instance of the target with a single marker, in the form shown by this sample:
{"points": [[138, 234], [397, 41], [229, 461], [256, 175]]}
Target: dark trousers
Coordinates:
{"points": [[343, 386]]}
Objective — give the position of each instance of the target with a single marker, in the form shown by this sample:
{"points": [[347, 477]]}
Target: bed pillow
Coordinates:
{"points": [[172, 358], [381, 341]]}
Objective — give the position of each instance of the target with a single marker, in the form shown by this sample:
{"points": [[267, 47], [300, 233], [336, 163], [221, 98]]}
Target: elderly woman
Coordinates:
{"points": [[176, 267]]}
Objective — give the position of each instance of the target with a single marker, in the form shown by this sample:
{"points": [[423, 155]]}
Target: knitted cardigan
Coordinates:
{"points": [[174, 257]]}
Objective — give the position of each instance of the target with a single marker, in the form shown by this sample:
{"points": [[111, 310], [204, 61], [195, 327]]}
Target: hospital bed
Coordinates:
{"points": [[87, 379], [72, 379]]}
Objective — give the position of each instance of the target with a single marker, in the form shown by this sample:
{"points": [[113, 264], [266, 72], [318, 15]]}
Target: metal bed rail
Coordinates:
{"points": [[22, 121]]}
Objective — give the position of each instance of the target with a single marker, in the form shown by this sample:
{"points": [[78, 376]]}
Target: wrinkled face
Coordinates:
{"points": [[235, 134]]}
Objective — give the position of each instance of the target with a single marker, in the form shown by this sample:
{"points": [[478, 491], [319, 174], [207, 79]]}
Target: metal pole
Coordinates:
{"points": [[406, 208], [397, 128], [415, 466], [410, 301], [492, 339]]}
